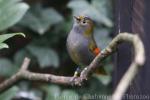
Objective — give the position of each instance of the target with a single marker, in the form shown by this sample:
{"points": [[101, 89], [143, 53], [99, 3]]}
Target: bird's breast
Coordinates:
{"points": [[78, 48]]}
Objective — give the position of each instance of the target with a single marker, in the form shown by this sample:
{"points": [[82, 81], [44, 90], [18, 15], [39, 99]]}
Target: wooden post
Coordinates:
{"points": [[133, 16]]}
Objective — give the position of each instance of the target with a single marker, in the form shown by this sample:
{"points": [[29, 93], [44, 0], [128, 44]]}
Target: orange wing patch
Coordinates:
{"points": [[93, 48], [96, 51]]}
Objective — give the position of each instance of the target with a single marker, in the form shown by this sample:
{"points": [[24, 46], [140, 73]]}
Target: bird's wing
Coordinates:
{"points": [[93, 48]]}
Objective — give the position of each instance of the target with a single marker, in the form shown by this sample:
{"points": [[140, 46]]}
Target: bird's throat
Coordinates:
{"points": [[87, 32]]}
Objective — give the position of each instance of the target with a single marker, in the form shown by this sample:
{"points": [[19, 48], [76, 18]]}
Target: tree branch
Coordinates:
{"points": [[12, 80], [138, 61]]}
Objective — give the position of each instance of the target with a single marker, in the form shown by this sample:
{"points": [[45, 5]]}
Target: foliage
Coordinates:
{"points": [[11, 12], [8, 95], [46, 25], [7, 36], [40, 19], [45, 56], [97, 10]]}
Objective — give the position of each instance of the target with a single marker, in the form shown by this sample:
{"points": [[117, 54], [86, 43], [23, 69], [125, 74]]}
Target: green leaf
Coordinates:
{"points": [[9, 94], [11, 11], [7, 3], [3, 45], [102, 37], [41, 19], [46, 57], [82, 7], [20, 55], [7, 67], [7, 36], [104, 7], [69, 95], [78, 5], [34, 94], [53, 92]]}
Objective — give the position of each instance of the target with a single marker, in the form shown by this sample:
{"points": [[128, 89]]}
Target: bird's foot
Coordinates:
{"points": [[73, 80], [76, 80], [75, 76]]}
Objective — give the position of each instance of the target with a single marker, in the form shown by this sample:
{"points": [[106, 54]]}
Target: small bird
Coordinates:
{"points": [[81, 44]]}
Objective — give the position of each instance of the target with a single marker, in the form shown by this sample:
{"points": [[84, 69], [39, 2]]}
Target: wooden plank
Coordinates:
{"points": [[123, 24], [133, 16]]}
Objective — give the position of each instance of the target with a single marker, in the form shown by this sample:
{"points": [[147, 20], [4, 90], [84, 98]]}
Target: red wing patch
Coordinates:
{"points": [[96, 51]]}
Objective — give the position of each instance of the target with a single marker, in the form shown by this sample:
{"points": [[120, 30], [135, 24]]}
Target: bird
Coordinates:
{"points": [[81, 45]]}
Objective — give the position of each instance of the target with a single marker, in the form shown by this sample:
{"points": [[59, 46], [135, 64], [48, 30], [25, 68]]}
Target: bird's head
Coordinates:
{"points": [[84, 23]]}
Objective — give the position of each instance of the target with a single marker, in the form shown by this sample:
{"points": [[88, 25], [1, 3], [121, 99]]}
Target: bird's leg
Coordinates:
{"points": [[76, 74]]}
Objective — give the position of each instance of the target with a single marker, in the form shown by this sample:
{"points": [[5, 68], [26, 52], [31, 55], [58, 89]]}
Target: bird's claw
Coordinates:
{"points": [[73, 80], [78, 80]]}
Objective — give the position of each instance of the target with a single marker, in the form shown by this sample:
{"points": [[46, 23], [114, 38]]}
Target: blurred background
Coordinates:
{"points": [[46, 24]]}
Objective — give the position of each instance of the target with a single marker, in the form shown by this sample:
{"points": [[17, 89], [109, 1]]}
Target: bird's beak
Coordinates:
{"points": [[76, 18]]}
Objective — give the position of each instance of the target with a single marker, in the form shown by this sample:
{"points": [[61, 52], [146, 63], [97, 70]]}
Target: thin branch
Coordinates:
{"points": [[12, 80], [25, 64], [138, 61]]}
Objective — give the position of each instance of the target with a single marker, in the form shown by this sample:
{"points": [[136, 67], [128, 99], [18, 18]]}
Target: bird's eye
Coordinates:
{"points": [[84, 22]]}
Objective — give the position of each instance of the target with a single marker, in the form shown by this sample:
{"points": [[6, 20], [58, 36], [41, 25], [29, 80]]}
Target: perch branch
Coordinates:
{"points": [[138, 61]]}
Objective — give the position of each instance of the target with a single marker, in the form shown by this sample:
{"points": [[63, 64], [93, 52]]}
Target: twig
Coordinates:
{"points": [[12, 80], [139, 59]]}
